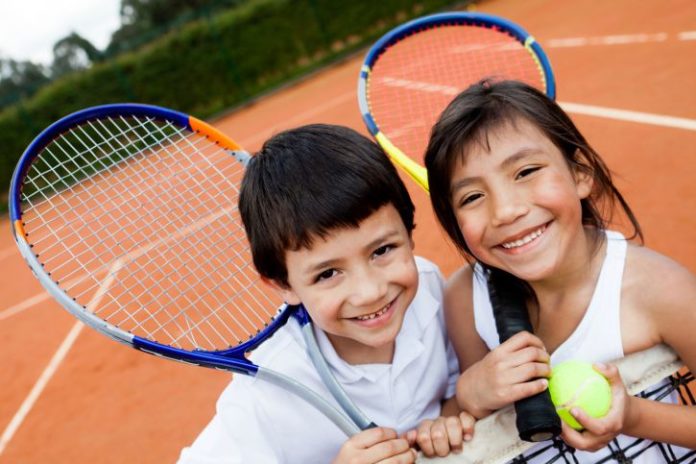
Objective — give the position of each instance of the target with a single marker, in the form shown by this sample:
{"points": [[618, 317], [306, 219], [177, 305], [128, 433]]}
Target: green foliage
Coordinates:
{"points": [[71, 53], [213, 63], [20, 79]]}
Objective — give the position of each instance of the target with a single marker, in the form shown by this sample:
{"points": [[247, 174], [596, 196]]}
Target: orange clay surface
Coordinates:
{"points": [[108, 404]]}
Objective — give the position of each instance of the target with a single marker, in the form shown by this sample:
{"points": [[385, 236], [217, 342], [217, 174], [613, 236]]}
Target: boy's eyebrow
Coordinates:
{"points": [[369, 247], [506, 163]]}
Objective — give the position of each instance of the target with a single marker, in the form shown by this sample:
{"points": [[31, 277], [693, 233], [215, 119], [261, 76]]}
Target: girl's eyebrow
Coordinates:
{"points": [[519, 155], [505, 164]]}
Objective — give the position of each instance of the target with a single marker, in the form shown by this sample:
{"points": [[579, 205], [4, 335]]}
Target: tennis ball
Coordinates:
{"points": [[576, 384]]}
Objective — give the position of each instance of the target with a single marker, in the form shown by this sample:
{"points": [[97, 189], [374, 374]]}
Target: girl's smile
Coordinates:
{"points": [[517, 203]]}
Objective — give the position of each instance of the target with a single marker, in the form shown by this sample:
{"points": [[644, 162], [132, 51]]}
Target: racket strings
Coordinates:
{"points": [[84, 214], [415, 78], [139, 222], [681, 385], [105, 213]]}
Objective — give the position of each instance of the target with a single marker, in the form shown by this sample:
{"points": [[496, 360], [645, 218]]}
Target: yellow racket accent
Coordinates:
{"points": [[413, 169], [528, 45]]}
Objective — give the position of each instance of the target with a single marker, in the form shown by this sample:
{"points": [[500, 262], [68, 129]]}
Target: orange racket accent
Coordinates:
{"points": [[214, 134], [19, 229]]}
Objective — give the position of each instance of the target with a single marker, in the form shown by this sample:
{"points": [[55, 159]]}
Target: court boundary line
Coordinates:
{"points": [[617, 39], [630, 116], [38, 388], [69, 340]]}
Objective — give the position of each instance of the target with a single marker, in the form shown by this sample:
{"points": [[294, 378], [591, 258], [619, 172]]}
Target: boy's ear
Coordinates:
{"points": [[289, 296]]}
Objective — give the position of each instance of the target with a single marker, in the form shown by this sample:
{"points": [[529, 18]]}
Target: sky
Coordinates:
{"points": [[29, 28]]}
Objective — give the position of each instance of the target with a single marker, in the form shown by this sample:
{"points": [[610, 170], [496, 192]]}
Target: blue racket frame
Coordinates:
{"points": [[233, 359]]}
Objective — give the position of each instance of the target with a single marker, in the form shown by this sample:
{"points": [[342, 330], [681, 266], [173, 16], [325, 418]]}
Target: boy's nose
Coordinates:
{"points": [[369, 288]]}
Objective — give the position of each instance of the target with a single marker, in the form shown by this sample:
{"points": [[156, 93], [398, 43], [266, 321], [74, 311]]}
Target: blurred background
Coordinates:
{"points": [[625, 71], [202, 57]]}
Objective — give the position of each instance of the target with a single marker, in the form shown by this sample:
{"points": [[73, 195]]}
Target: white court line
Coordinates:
{"points": [[8, 252], [577, 108], [39, 386], [631, 116], [26, 304], [69, 340], [300, 117], [624, 39]]}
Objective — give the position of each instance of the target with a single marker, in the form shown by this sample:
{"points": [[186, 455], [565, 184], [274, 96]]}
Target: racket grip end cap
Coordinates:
{"points": [[537, 419]]}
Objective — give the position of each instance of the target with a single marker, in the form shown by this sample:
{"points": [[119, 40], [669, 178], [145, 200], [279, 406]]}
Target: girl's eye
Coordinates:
{"points": [[527, 171], [470, 199], [325, 275]]}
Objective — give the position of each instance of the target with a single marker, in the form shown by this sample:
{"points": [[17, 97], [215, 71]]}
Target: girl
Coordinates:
{"points": [[519, 190]]}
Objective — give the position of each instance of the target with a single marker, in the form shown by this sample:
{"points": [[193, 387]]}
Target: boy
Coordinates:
{"points": [[329, 222]]}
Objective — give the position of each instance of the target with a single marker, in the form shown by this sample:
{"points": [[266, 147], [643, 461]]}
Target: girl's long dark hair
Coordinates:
{"points": [[487, 105]]}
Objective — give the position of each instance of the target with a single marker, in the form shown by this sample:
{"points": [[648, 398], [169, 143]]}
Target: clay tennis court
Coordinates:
{"points": [[70, 395]]}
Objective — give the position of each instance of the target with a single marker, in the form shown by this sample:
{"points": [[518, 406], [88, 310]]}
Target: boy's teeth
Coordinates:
{"points": [[524, 240], [373, 315]]}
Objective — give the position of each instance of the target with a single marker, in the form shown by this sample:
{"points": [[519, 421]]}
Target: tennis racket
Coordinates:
{"points": [[414, 71], [127, 215], [407, 79]]}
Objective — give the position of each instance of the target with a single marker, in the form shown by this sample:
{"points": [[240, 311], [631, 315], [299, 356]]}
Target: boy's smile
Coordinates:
{"points": [[356, 284], [517, 203]]}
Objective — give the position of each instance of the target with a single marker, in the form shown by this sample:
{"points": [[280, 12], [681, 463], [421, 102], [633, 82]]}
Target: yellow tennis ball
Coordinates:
{"points": [[576, 384]]}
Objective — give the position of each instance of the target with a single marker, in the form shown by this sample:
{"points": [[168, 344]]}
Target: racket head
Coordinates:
{"points": [[412, 73], [127, 214]]}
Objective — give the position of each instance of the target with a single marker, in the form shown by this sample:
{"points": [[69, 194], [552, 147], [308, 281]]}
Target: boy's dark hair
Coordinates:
{"points": [[488, 105], [305, 183]]}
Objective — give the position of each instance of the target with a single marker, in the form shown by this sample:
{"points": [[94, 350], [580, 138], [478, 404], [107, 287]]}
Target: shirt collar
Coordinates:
{"points": [[419, 315]]}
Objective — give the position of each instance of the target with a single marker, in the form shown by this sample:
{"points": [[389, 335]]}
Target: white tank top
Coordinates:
{"points": [[597, 338]]}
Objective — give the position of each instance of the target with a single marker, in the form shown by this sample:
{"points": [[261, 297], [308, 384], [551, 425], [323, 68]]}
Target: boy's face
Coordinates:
{"points": [[357, 283]]}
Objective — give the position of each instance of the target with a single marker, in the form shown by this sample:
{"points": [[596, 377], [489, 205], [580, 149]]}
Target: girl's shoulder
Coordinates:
{"points": [[459, 284], [656, 282]]}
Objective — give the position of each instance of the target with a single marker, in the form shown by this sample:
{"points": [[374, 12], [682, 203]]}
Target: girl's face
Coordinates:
{"points": [[518, 205]]}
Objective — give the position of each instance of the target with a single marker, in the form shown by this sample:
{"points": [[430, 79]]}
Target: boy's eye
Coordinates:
{"points": [[527, 171], [324, 275], [383, 250]]}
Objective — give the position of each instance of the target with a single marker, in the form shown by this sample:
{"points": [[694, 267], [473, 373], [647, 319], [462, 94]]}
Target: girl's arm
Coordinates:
{"points": [[490, 380], [661, 296]]}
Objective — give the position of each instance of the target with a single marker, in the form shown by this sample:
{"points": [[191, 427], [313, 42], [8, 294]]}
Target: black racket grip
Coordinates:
{"points": [[537, 419]]}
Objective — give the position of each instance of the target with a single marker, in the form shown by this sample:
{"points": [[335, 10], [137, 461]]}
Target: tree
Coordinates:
{"points": [[20, 79], [145, 20], [72, 53]]}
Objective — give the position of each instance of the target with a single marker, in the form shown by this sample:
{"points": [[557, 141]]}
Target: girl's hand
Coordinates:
{"points": [[599, 432], [443, 435], [379, 444], [509, 373]]}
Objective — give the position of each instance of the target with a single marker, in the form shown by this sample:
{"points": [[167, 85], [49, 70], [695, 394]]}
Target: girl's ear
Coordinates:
{"points": [[583, 175], [289, 296]]}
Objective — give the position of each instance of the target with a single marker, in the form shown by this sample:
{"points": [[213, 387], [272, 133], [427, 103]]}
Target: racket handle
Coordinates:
{"points": [[537, 419]]}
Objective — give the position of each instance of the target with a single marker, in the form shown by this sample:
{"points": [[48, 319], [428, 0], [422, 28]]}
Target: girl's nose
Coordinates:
{"points": [[507, 207]]}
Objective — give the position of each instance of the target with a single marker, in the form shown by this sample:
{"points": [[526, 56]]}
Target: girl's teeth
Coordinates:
{"points": [[373, 315], [524, 240]]}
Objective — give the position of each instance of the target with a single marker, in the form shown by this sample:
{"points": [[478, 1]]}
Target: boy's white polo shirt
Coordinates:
{"points": [[259, 422]]}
